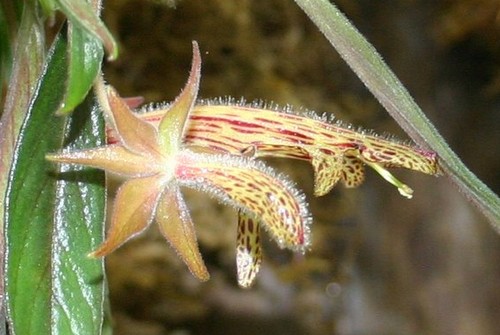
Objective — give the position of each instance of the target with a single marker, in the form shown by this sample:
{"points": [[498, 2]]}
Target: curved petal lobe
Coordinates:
{"points": [[326, 173], [253, 188], [353, 171]]}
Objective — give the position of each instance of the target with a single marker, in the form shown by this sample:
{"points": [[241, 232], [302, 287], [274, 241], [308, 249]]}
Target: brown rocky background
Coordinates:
{"points": [[379, 264]]}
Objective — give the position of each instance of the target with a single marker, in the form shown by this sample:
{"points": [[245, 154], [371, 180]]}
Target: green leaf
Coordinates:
{"points": [[27, 65], [81, 13], [54, 217], [84, 62], [78, 223]]}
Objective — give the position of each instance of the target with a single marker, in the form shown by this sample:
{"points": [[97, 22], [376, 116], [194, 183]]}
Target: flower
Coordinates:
{"points": [[156, 163], [336, 152]]}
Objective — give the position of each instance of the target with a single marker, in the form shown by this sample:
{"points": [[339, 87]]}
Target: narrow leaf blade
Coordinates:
{"points": [[368, 65]]}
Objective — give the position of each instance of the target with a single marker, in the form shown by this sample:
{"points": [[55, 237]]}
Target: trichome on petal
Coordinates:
{"points": [[337, 153]]}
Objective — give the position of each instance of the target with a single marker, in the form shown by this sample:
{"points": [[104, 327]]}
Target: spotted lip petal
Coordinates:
{"points": [[232, 127], [253, 188], [328, 171], [248, 250]]}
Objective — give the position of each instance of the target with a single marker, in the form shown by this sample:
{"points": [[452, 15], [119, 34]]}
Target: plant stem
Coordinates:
{"points": [[364, 60]]}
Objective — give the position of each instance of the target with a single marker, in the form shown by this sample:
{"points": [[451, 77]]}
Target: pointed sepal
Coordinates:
{"points": [[174, 221], [133, 133], [112, 158], [173, 124], [133, 210]]}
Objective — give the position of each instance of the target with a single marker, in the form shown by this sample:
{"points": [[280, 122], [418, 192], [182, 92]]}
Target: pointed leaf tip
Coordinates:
{"points": [[82, 13]]}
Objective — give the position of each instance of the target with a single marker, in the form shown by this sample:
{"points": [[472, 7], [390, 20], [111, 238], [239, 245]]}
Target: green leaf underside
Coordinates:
{"points": [[84, 61], [53, 220], [82, 14]]}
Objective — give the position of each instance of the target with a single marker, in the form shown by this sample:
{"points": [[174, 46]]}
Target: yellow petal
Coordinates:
{"points": [[112, 158], [135, 134], [248, 250], [232, 126], [176, 226], [393, 154], [133, 210], [173, 124], [253, 188]]}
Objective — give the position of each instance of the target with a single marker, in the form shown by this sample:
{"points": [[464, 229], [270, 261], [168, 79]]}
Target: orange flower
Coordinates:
{"points": [[156, 163]]}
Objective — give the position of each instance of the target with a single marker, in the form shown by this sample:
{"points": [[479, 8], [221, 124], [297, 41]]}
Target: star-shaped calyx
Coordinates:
{"points": [[156, 163]]}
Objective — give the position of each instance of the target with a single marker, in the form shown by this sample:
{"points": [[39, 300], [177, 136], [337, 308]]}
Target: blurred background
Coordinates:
{"points": [[379, 263]]}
